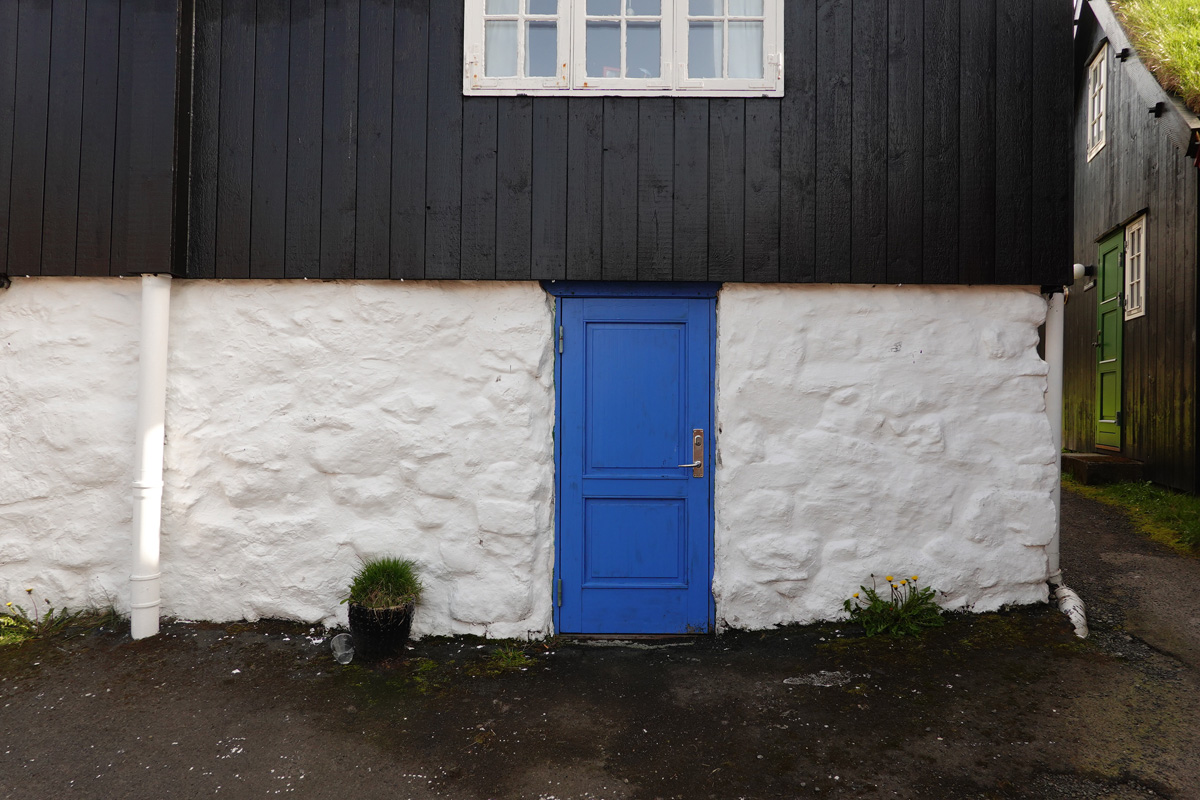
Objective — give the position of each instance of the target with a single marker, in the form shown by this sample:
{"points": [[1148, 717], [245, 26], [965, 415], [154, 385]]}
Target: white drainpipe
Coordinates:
{"points": [[1068, 601], [1054, 401], [148, 463]]}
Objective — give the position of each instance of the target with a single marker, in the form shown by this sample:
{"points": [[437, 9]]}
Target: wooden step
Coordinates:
{"points": [[1095, 468]]}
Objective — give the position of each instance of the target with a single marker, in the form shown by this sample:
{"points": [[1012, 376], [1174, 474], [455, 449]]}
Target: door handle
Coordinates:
{"points": [[697, 466]]}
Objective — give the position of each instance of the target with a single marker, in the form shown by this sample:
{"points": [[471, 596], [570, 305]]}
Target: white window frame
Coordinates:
{"points": [[1135, 268], [473, 51], [573, 80], [1097, 102]]}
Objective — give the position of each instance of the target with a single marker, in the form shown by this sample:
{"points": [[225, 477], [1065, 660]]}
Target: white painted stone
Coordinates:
{"points": [[68, 378], [309, 425], [885, 430]]}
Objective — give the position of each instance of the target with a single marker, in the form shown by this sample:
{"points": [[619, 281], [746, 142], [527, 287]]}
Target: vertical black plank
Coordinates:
{"points": [[905, 164], [1052, 135], [798, 155], [339, 145], [410, 85], [306, 112], [8, 89], [690, 215], [585, 157], [1014, 110], [726, 189], [548, 247], [206, 94], [373, 238], [95, 215], [149, 242], [479, 188], [444, 165], [835, 226], [63, 138], [977, 136], [235, 151], [656, 187], [268, 220], [869, 146], [29, 137], [941, 163], [762, 190], [514, 188], [619, 204]]}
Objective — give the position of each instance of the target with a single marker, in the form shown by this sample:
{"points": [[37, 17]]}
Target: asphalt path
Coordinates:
{"points": [[1007, 705]]}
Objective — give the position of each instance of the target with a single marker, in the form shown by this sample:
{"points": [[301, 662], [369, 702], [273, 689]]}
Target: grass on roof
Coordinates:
{"points": [[1166, 34]]}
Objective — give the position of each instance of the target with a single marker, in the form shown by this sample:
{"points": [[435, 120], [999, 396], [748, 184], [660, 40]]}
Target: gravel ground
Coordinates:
{"points": [[1007, 705]]}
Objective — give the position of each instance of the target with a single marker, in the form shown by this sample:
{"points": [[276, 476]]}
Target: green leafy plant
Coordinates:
{"points": [[906, 610], [18, 624], [386, 582]]}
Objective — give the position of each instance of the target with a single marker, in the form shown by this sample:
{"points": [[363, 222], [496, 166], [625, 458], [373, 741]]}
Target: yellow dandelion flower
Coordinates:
{"points": [[8, 604], [855, 594], [903, 583], [914, 577], [29, 591]]}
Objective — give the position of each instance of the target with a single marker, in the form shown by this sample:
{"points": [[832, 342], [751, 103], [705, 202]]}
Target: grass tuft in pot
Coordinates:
{"points": [[386, 582], [382, 597]]}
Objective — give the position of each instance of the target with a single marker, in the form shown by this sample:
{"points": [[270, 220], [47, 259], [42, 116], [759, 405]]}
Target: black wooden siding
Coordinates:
{"points": [[900, 153], [918, 141], [87, 136], [1139, 169]]}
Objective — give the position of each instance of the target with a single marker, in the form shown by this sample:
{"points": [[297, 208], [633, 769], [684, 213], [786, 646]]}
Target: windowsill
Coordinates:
{"points": [[607, 92]]}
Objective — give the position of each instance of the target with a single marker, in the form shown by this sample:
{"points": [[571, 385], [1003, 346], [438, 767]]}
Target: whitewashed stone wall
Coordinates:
{"points": [[68, 404], [308, 425], [885, 430]]}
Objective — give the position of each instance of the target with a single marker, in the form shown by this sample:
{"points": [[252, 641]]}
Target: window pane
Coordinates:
{"points": [[610, 8], [745, 49], [644, 8], [705, 49], [745, 8], [541, 49], [604, 49], [502, 6], [643, 51], [542, 6], [706, 8], [500, 49]]}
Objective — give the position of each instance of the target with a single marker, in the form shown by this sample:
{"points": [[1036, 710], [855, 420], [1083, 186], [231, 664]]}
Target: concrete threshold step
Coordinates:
{"points": [[1092, 469]]}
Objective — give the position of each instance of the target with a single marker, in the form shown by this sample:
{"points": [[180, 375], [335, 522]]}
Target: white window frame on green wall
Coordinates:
{"points": [[505, 26]]}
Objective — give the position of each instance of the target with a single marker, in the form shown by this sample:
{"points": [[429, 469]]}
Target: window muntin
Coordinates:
{"points": [[1135, 268], [661, 47], [1097, 99]]}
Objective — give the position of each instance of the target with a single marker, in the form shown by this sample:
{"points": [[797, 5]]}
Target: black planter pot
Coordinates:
{"points": [[379, 632]]}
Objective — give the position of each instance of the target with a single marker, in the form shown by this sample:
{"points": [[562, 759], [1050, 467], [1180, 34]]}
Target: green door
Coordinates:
{"points": [[1110, 281]]}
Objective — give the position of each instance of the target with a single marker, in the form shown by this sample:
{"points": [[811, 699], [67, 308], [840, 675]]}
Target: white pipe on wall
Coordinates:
{"points": [[1054, 403], [148, 458]]}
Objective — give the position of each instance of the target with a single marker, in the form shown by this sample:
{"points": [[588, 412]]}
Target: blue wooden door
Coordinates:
{"points": [[635, 512]]}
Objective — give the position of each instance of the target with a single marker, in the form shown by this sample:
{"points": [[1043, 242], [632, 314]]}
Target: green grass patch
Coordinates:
{"points": [[505, 658], [1166, 516], [1166, 34]]}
